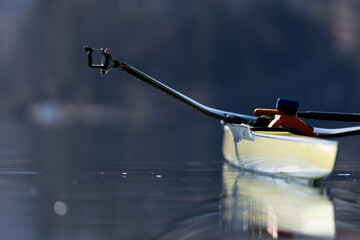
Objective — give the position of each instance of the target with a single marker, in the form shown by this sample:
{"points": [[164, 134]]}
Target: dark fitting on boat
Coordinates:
{"points": [[287, 106]]}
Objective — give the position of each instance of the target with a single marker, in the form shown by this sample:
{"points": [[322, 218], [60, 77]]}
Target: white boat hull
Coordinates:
{"points": [[280, 153]]}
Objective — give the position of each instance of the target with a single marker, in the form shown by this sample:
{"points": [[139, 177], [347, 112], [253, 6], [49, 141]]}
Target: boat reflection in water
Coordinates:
{"points": [[261, 206]]}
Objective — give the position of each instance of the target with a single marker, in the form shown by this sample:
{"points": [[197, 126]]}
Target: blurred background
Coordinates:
{"points": [[232, 55], [102, 157]]}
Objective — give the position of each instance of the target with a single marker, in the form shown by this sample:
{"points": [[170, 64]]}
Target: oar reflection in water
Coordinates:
{"points": [[261, 206]]}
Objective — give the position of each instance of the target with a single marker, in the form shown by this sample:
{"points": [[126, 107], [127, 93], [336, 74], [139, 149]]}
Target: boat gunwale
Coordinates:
{"points": [[271, 133], [295, 138]]}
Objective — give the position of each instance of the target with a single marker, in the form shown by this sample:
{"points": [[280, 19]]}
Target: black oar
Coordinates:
{"points": [[108, 62], [315, 115], [350, 117], [336, 132]]}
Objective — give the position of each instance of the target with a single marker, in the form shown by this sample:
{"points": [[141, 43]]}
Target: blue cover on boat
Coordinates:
{"points": [[288, 106]]}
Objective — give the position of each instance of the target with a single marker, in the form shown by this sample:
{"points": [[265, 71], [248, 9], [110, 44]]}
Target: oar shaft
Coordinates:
{"points": [[316, 115], [215, 113], [350, 117]]}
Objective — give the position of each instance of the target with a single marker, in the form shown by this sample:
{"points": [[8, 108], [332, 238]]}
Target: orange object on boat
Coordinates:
{"points": [[264, 111], [286, 109], [291, 121]]}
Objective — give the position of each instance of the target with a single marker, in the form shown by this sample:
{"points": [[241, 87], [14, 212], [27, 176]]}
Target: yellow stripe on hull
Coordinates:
{"points": [[279, 152]]}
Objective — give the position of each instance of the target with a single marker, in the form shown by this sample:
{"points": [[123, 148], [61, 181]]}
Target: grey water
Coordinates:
{"points": [[156, 180]]}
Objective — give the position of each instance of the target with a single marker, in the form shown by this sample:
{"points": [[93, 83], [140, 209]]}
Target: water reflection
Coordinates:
{"points": [[118, 183], [60, 208], [264, 207]]}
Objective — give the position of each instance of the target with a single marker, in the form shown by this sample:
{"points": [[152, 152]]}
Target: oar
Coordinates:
{"points": [[315, 115], [350, 117], [336, 132], [108, 63]]}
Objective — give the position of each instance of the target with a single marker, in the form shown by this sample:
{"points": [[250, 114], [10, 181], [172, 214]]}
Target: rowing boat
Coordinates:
{"points": [[278, 151]]}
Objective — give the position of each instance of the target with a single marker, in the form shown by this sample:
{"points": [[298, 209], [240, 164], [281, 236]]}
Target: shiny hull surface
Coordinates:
{"points": [[280, 153]]}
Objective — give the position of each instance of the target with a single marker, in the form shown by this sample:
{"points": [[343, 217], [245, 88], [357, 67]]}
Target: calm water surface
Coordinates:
{"points": [[160, 181]]}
